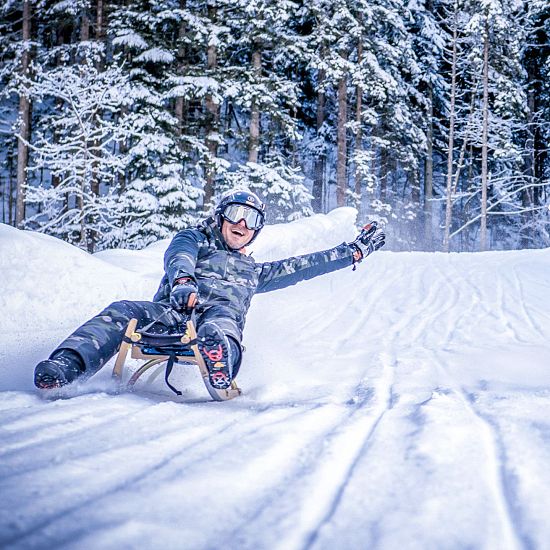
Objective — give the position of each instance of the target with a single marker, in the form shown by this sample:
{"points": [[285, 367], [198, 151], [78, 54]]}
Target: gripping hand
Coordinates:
{"points": [[183, 297], [369, 240]]}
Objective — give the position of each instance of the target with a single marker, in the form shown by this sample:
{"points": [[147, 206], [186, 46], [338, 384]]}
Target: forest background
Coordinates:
{"points": [[122, 122]]}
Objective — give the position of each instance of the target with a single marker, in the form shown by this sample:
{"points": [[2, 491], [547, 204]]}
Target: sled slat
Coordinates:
{"points": [[123, 351]]}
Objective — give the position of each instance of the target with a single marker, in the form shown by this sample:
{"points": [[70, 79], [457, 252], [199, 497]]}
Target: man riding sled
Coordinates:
{"points": [[206, 270]]}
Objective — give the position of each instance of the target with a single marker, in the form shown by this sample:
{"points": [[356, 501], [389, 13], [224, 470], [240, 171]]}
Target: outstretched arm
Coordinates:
{"points": [[283, 273]]}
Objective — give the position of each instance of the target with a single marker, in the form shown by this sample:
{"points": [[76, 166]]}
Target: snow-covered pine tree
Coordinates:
{"points": [[318, 136], [429, 40], [398, 136], [334, 35], [366, 47], [199, 87], [11, 46], [17, 50], [161, 190], [264, 55], [535, 216], [212, 100], [493, 83]]}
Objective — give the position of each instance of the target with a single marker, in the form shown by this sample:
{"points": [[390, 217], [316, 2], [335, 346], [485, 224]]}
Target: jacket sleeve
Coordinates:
{"points": [[181, 255], [283, 273]]}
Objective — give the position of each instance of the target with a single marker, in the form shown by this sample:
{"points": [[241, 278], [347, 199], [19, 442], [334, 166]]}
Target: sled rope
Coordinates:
{"points": [[169, 366]]}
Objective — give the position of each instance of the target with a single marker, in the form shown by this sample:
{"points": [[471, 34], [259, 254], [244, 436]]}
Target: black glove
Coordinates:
{"points": [[369, 240], [183, 297]]}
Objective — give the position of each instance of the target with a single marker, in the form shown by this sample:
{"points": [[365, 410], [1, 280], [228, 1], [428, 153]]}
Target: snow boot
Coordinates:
{"points": [[61, 369], [216, 350]]}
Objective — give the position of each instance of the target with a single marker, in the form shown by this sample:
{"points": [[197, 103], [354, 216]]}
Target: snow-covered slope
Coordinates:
{"points": [[401, 405]]}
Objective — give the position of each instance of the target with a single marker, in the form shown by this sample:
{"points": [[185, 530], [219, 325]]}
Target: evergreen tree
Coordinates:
{"points": [[493, 82], [264, 52], [10, 53], [159, 196], [429, 41], [535, 214], [366, 48], [15, 74], [360, 101]]}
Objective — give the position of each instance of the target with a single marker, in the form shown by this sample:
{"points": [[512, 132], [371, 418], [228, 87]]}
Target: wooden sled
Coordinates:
{"points": [[171, 349]]}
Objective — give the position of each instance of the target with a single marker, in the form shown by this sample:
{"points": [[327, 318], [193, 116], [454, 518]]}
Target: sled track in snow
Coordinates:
{"points": [[172, 464], [47, 432], [74, 508], [503, 485], [404, 325], [337, 498], [504, 489], [308, 472], [526, 314]]}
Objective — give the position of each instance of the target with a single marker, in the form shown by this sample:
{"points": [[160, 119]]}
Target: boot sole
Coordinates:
{"points": [[215, 353]]}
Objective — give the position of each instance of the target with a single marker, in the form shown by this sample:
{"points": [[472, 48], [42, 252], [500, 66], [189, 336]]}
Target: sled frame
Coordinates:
{"points": [[133, 342]]}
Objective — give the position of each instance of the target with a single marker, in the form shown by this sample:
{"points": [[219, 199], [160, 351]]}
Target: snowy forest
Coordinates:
{"points": [[122, 122]]}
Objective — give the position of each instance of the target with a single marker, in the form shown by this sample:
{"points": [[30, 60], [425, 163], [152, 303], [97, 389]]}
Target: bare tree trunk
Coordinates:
{"points": [[85, 29], [179, 107], [527, 195], [10, 188], [100, 30], [341, 183], [179, 112], [25, 124], [55, 178], [212, 123], [384, 164], [255, 114], [100, 22], [428, 177], [485, 138], [92, 234], [359, 130], [85, 232], [100, 38], [374, 159], [450, 152], [320, 161]]}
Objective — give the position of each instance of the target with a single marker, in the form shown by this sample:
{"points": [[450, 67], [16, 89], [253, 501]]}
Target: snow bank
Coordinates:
{"points": [[401, 405]]}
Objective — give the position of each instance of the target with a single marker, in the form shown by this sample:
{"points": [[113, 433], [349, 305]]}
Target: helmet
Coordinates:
{"points": [[241, 205]]}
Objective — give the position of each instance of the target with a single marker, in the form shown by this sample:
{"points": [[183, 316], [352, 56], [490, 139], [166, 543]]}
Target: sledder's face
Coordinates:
{"points": [[236, 235]]}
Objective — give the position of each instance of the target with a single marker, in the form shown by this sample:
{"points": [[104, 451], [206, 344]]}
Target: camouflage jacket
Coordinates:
{"points": [[229, 278]]}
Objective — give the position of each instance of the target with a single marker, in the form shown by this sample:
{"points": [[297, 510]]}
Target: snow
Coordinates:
{"points": [[401, 405], [155, 55]]}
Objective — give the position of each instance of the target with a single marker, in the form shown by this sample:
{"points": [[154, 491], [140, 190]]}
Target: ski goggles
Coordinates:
{"points": [[253, 219]]}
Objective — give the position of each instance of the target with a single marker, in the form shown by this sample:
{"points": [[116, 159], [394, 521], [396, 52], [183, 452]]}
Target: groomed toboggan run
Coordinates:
{"points": [[403, 405]]}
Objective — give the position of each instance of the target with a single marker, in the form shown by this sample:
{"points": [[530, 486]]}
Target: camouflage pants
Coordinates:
{"points": [[97, 340]]}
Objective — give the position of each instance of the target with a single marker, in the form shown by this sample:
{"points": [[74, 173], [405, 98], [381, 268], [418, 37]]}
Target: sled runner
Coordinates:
{"points": [[172, 349]]}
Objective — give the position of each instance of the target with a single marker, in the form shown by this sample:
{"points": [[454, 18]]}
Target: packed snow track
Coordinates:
{"points": [[403, 405]]}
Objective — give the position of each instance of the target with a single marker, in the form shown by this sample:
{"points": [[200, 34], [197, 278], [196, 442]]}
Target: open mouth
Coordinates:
{"points": [[237, 231]]}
